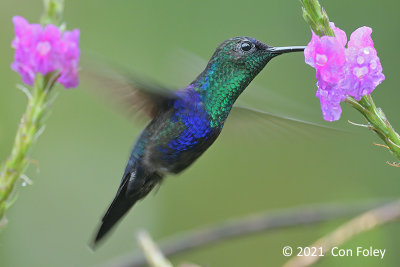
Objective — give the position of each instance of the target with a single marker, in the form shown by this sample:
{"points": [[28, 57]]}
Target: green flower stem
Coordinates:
{"points": [[53, 10], [32, 122], [30, 125], [316, 17], [318, 20], [377, 122]]}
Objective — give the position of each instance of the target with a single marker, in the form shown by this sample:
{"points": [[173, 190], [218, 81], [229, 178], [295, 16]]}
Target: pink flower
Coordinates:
{"points": [[327, 55], [70, 59], [341, 72], [330, 99], [364, 72], [44, 50]]}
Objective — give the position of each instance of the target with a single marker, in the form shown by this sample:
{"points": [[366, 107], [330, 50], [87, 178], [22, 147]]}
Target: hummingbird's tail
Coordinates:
{"points": [[135, 185]]}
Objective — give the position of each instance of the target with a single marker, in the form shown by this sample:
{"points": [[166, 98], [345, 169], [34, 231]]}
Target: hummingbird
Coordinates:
{"points": [[185, 123]]}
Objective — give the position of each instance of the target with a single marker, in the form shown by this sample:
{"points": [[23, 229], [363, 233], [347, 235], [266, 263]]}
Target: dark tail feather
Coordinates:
{"points": [[129, 192], [118, 208]]}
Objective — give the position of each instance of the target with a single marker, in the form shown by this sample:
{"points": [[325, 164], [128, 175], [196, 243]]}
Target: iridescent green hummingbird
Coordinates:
{"points": [[186, 123]]}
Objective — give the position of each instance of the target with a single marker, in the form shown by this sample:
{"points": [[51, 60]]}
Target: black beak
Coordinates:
{"points": [[287, 49]]}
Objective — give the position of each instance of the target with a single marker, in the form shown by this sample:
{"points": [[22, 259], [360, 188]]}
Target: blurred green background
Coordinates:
{"points": [[251, 167]]}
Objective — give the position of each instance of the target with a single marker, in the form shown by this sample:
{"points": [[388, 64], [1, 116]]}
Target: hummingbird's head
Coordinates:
{"points": [[232, 67], [248, 54]]}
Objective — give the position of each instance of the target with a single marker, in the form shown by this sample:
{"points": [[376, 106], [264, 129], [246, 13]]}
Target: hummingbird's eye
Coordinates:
{"points": [[246, 46]]}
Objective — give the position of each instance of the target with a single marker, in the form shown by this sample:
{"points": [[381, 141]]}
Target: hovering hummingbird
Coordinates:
{"points": [[186, 123]]}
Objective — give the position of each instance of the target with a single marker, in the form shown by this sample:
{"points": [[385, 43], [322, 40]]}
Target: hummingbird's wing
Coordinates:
{"points": [[275, 117], [267, 122], [127, 90]]}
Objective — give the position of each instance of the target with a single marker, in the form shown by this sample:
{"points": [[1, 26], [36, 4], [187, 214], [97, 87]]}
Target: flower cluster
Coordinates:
{"points": [[353, 71], [45, 50]]}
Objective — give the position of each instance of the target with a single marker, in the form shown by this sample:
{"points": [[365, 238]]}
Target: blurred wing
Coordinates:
{"points": [[275, 117], [128, 90], [265, 124]]}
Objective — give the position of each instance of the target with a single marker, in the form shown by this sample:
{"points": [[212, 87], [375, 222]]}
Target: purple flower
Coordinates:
{"points": [[330, 99], [44, 50], [341, 72], [364, 72], [327, 55], [69, 51]]}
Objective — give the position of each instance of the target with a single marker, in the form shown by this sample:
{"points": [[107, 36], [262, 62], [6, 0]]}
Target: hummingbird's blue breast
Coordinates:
{"points": [[189, 110], [194, 131], [173, 140]]}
